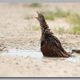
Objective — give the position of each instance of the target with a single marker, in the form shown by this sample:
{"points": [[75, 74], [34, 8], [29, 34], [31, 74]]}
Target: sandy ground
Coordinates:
{"points": [[29, 67], [18, 32]]}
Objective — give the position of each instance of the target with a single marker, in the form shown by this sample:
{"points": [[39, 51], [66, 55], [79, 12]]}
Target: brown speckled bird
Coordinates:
{"points": [[50, 45]]}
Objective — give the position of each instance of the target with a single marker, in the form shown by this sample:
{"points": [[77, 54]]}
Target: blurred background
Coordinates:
{"points": [[20, 29]]}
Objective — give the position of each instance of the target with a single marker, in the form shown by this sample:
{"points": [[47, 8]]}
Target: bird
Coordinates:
{"points": [[50, 44]]}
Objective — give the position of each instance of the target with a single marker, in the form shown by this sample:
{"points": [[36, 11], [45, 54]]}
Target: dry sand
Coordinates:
{"points": [[18, 32]]}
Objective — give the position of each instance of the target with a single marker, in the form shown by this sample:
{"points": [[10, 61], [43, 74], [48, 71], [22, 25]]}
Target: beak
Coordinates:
{"points": [[36, 16]]}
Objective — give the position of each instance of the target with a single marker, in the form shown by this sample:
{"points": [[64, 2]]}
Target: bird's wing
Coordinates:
{"points": [[53, 41]]}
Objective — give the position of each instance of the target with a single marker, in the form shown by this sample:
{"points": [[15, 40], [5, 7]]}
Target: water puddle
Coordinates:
{"points": [[25, 53], [74, 59], [37, 54]]}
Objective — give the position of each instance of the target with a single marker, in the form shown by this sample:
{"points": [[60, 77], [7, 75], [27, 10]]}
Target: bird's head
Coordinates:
{"points": [[40, 17], [42, 21]]}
